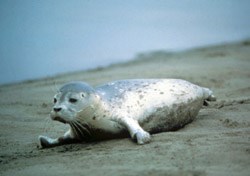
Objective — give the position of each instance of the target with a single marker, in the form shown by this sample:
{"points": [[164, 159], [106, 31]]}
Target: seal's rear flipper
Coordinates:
{"points": [[211, 98], [208, 95]]}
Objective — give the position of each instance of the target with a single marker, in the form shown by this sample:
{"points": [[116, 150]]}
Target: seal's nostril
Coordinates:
{"points": [[57, 109]]}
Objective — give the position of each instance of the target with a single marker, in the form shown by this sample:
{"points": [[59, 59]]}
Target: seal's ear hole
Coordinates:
{"points": [[83, 95]]}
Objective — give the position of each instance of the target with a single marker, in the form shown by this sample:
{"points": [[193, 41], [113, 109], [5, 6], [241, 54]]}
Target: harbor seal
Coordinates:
{"points": [[136, 108]]}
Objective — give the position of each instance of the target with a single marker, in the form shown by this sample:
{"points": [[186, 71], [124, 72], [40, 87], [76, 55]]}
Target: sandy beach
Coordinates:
{"points": [[216, 143]]}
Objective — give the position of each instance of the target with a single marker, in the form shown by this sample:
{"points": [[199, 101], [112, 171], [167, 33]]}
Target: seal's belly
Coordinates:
{"points": [[105, 128], [168, 118]]}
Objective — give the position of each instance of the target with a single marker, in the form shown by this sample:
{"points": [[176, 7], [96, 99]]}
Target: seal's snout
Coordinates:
{"points": [[57, 109]]}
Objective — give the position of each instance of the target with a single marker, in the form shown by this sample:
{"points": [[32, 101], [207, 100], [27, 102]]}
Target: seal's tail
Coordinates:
{"points": [[208, 96]]}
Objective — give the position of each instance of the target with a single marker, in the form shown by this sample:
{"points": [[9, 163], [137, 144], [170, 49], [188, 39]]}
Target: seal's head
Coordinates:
{"points": [[72, 99]]}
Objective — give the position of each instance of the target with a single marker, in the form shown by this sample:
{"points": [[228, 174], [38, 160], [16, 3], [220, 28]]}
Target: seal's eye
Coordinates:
{"points": [[55, 100], [72, 100]]}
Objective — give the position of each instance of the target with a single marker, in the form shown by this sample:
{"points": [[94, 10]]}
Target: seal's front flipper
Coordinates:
{"points": [[47, 142], [142, 137], [136, 131]]}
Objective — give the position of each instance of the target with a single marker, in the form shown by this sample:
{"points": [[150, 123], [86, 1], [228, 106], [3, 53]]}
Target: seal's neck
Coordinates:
{"points": [[95, 110], [102, 108]]}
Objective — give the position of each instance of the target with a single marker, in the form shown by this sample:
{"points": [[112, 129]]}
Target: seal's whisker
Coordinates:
{"points": [[84, 131], [46, 123], [75, 130], [79, 130], [81, 126]]}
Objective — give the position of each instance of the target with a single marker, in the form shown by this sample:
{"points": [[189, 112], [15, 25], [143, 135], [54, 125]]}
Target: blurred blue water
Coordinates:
{"points": [[41, 38]]}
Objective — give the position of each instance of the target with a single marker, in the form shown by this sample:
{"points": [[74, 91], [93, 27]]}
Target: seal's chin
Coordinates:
{"points": [[59, 119]]}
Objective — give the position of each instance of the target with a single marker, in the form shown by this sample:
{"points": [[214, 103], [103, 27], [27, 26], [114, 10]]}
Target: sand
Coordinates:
{"points": [[216, 143]]}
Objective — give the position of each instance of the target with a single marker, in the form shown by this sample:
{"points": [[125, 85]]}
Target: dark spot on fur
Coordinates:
{"points": [[141, 96], [94, 117], [161, 92]]}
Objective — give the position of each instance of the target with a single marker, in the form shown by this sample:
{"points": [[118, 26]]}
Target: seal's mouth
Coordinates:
{"points": [[58, 118]]}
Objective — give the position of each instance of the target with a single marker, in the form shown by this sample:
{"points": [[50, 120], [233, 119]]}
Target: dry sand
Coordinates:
{"points": [[216, 143]]}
